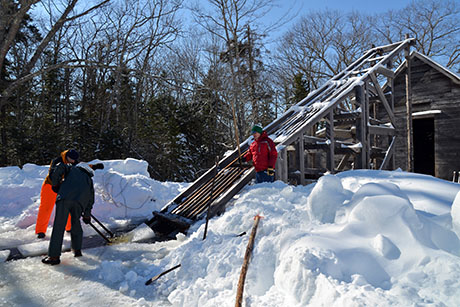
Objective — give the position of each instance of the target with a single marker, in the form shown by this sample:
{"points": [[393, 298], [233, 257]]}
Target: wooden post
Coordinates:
{"points": [[410, 145], [244, 268], [392, 105], [211, 198], [361, 128], [367, 136], [330, 165], [301, 149], [282, 170]]}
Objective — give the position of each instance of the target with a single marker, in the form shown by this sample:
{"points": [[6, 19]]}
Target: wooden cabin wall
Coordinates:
{"points": [[431, 90]]}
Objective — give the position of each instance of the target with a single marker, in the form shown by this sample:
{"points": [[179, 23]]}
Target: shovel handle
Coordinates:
{"points": [[99, 232]]}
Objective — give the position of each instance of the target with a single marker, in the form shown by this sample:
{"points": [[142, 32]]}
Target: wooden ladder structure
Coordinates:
{"points": [[334, 128]]}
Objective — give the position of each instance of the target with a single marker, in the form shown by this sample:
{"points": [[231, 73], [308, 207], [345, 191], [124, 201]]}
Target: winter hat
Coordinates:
{"points": [[86, 167], [72, 154], [257, 128]]}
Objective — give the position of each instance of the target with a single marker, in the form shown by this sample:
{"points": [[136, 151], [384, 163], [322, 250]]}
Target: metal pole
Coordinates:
{"points": [[102, 225], [99, 232]]}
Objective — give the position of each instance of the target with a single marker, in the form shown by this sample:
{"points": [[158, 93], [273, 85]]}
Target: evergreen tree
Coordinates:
{"points": [[300, 89]]}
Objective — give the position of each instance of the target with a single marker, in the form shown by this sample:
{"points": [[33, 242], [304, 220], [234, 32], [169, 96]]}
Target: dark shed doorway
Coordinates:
{"points": [[423, 130]]}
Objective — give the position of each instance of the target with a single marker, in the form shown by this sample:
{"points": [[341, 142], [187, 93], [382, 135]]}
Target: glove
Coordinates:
{"points": [[86, 219], [270, 171], [97, 166]]}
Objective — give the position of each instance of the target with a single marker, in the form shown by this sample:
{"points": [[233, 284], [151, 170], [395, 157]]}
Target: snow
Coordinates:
{"points": [[359, 238], [125, 194], [426, 113]]}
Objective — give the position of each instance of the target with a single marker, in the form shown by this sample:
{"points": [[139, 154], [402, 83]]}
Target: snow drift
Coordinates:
{"points": [[359, 238]]}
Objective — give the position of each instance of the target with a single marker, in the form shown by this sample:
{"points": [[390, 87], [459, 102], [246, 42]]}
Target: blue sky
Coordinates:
{"points": [[303, 7], [365, 6], [299, 8]]}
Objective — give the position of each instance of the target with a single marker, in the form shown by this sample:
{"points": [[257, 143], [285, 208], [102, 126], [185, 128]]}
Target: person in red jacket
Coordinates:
{"points": [[263, 154]]}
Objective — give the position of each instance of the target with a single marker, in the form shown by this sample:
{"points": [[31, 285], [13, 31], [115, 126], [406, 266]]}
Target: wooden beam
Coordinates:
{"points": [[389, 154], [282, 165], [381, 130], [366, 118], [312, 139], [218, 206], [346, 116], [301, 150], [410, 156], [402, 45], [383, 99], [331, 140], [343, 162], [361, 127], [385, 71], [391, 81]]}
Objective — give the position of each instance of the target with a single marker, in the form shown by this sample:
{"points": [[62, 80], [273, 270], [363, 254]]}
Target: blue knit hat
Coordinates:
{"points": [[257, 128]]}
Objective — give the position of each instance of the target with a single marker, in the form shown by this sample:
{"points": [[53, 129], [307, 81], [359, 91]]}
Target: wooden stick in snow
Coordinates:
{"points": [[148, 282], [247, 256]]}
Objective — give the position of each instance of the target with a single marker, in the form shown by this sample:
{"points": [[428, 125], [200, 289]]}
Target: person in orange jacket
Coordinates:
{"points": [[48, 193]]}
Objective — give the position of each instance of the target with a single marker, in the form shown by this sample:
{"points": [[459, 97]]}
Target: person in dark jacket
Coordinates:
{"points": [[75, 196], [48, 193], [263, 154]]}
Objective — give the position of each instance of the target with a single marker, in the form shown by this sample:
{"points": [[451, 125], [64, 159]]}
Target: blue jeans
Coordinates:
{"points": [[263, 177]]}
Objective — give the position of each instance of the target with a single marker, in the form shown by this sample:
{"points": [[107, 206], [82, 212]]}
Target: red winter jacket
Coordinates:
{"points": [[263, 153]]}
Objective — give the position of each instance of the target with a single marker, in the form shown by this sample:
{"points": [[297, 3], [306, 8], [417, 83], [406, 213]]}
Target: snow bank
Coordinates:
{"points": [[455, 213], [345, 241], [360, 238], [124, 193]]}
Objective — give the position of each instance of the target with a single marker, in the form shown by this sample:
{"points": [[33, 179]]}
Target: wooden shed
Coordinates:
{"points": [[435, 117]]}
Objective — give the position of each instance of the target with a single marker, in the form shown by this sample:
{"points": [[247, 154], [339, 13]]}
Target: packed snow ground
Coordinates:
{"points": [[360, 238]]}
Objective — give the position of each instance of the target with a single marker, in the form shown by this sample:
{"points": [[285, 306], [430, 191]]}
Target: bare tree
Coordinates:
{"points": [[236, 23], [320, 45], [433, 23], [27, 72]]}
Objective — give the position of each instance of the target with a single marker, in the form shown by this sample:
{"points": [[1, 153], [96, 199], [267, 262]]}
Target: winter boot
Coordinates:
{"points": [[51, 260], [40, 235], [77, 253]]}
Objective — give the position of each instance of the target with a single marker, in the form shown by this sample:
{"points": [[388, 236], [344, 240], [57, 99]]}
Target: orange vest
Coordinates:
{"points": [[64, 160]]}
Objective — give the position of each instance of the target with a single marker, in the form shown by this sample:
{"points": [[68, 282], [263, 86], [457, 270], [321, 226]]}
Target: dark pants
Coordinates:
{"points": [[263, 177], [63, 208]]}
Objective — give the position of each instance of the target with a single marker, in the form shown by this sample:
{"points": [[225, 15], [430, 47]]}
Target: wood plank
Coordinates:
{"points": [[282, 165], [301, 149], [388, 155], [361, 125], [410, 142], [218, 206], [331, 139], [385, 71], [381, 130], [383, 99]]}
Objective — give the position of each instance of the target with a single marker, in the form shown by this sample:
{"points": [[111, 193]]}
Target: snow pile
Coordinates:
{"points": [[455, 212], [124, 190], [343, 242], [360, 238]]}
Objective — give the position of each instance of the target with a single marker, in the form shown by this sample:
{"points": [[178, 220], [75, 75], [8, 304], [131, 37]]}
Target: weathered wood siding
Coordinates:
{"points": [[431, 90]]}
